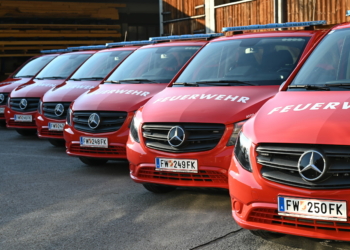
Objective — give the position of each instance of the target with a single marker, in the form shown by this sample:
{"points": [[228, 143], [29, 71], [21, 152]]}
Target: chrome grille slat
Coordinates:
{"points": [[49, 110], [31, 106]]}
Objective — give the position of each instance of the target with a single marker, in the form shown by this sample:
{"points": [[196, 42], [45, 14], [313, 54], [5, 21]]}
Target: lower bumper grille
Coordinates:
{"points": [[47, 132], [270, 216], [202, 176], [21, 124], [111, 150]]}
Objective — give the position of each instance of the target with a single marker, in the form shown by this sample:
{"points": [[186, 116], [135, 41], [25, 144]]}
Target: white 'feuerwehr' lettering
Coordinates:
{"points": [[121, 91], [311, 106], [242, 99]]}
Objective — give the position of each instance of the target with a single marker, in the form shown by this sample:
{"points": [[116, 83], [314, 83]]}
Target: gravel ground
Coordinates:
{"points": [[49, 200]]}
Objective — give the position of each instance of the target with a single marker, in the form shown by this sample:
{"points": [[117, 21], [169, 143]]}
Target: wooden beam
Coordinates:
{"points": [[65, 42], [46, 35], [60, 26]]}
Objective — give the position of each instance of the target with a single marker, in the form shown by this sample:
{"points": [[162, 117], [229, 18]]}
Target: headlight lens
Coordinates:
{"points": [[237, 128], [69, 117], [134, 125], [40, 107], [242, 151]]}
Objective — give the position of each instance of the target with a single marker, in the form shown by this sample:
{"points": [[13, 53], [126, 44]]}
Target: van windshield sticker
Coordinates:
{"points": [[311, 106], [215, 97]]}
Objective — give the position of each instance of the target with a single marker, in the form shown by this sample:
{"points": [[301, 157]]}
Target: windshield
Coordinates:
{"points": [[328, 67], [251, 61], [62, 66], [100, 64], [153, 65], [34, 66]]}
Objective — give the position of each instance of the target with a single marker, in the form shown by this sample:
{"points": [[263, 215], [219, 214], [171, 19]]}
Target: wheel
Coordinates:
{"points": [[158, 188], [93, 161], [58, 142], [2, 123], [26, 132], [266, 235]]}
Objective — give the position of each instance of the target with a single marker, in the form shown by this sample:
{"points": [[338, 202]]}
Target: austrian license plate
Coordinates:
{"points": [[177, 165], [2, 110], [23, 118], [93, 142], [312, 208], [56, 126]]}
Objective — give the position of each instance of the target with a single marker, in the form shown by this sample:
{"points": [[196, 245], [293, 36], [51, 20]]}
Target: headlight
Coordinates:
{"points": [[242, 151], [134, 125], [40, 107], [237, 128], [69, 117]]}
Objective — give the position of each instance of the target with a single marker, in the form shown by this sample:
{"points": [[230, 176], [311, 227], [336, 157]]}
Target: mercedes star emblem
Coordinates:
{"points": [[59, 109], [2, 98], [94, 121], [23, 104], [176, 136], [312, 165]]}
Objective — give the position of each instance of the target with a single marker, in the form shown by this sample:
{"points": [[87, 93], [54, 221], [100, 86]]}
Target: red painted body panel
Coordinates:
{"points": [[192, 105], [34, 88], [115, 97], [312, 118]]}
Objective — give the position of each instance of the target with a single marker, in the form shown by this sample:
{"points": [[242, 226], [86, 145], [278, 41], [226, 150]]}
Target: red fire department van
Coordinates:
{"points": [[185, 135], [52, 110], [23, 101], [290, 173], [98, 122], [22, 75]]}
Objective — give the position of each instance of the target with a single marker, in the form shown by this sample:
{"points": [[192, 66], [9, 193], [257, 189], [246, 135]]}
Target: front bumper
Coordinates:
{"points": [[212, 165], [254, 206], [116, 142], [42, 124], [10, 120]]}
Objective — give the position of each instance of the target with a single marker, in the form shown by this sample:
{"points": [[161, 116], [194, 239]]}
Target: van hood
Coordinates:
{"points": [[35, 88], [207, 104], [311, 117], [69, 91], [10, 84], [117, 97]]}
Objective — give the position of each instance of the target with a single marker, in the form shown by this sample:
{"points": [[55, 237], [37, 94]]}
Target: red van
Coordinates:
{"points": [[185, 135], [23, 101], [98, 121], [290, 173], [52, 111], [22, 75]]}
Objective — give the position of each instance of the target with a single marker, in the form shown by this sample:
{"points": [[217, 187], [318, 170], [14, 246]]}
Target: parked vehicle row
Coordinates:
{"points": [[262, 114]]}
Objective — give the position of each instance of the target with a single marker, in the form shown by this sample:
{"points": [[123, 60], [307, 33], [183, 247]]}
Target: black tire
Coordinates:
{"points": [[2, 123], [26, 132], [93, 161], [60, 143], [267, 235], [158, 188]]}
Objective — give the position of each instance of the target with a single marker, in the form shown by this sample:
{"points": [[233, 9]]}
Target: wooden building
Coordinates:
{"points": [[200, 16]]}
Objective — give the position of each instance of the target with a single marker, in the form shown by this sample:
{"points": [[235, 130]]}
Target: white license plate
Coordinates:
{"points": [[177, 165], [93, 142], [2, 110], [56, 126], [23, 118], [312, 208]]}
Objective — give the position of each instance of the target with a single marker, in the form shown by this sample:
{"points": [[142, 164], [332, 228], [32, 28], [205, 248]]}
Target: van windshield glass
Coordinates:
{"points": [[100, 65], [328, 67], [152, 65], [251, 61], [34, 66], [62, 66]]}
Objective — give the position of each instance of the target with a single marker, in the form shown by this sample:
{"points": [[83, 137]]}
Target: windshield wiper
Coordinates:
{"points": [[309, 87], [25, 76], [137, 80], [92, 78], [112, 81], [186, 84], [53, 77], [227, 82], [75, 79], [337, 84]]}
